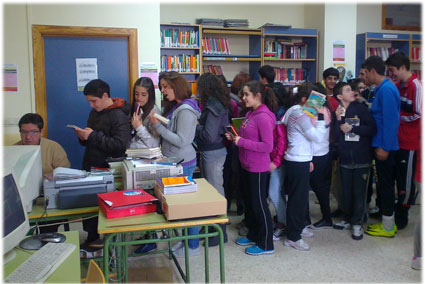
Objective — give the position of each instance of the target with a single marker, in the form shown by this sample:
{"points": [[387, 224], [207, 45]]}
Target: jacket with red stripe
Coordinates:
{"points": [[410, 113]]}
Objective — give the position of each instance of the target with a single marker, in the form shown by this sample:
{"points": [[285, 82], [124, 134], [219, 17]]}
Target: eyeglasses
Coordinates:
{"points": [[31, 132]]}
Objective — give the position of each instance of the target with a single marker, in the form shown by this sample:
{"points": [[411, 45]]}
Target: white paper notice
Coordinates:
{"points": [[86, 71]]}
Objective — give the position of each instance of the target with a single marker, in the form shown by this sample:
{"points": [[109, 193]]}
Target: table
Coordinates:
{"points": [[117, 232], [67, 272]]}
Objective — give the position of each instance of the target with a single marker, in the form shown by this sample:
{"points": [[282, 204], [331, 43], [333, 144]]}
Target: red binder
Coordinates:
{"points": [[126, 203]]}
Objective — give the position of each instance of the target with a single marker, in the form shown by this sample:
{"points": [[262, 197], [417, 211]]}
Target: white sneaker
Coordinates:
{"points": [[417, 263], [342, 225], [357, 232], [278, 234], [192, 252], [299, 245], [307, 233]]}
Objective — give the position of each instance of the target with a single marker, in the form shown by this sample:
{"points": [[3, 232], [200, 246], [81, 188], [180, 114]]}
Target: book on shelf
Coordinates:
{"points": [[214, 69], [382, 52], [180, 63], [168, 161], [215, 46], [284, 49], [315, 99], [145, 153], [350, 136], [291, 75], [178, 37], [179, 184], [416, 54]]}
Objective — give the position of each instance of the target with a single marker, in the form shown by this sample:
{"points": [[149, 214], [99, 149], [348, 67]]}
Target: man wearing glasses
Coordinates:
{"points": [[52, 154]]}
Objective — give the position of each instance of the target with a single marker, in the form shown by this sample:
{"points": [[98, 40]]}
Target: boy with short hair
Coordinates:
{"points": [[330, 79]]}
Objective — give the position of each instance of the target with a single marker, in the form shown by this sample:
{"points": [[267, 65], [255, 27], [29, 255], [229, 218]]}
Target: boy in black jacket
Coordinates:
{"points": [[354, 130]]}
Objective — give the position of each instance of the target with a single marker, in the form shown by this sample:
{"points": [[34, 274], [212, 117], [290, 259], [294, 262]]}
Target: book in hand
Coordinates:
{"points": [[350, 136], [168, 161], [315, 99], [179, 184], [237, 122], [126, 203]]}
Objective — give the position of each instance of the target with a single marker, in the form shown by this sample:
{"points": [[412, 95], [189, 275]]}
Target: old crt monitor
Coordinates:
{"points": [[15, 218], [25, 162]]}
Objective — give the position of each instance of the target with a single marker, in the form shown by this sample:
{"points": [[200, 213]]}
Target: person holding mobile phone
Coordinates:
{"points": [[143, 107]]}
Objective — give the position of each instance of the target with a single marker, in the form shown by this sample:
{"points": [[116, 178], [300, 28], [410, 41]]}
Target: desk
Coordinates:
{"points": [[67, 272], [118, 230]]}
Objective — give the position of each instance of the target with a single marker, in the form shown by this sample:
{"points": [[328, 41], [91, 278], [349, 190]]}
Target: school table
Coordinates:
{"points": [[67, 272]]}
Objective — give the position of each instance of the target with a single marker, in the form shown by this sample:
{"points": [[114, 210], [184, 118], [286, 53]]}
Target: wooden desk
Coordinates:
{"points": [[67, 272]]}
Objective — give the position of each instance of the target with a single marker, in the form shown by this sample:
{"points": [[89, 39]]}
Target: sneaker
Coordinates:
{"points": [[377, 225], [243, 231], [417, 263], [278, 234], [337, 213], [244, 241], [299, 245], [374, 210], [306, 233], [357, 232], [255, 250], [342, 225], [145, 248], [380, 231], [192, 252], [322, 224]]}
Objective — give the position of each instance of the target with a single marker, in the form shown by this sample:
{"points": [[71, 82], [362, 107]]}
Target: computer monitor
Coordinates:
{"points": [[27, 168], [15, 218]]}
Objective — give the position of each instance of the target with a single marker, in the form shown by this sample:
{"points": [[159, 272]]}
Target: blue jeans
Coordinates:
{"points": [[193, 243], [277, 193]]}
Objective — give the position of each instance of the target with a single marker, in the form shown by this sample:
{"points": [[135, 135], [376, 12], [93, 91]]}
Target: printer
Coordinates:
{"points": [[78, 192], [142, 174]]}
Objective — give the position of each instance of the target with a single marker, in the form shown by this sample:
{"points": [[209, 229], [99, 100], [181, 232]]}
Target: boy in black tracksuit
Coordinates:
{"points": [[354, 129]]}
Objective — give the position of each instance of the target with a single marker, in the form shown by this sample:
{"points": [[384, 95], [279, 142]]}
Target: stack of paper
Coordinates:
{"points": [[146, 153], [66, 173], [173, 185], [210, 22], [236, 23]]}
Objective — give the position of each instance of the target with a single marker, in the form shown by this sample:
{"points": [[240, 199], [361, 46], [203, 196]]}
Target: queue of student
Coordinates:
{"points": [[280, 152]]}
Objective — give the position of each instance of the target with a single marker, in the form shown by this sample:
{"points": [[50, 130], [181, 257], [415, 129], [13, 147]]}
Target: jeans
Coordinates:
{"points": [[277, 193], [212, 163], [193, 243]]}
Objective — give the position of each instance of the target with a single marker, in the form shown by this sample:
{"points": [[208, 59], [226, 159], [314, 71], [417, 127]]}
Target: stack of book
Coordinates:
{"points": [[146, 153], [282, 49], [215, 46], [174, 185], [210, 22], [179, 38], [214, 69], [290, 76], [236, 23], [61, 173], [382, 52], [180, 63]]}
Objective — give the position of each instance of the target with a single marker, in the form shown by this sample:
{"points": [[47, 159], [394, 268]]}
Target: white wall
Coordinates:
{"points": [[314, 18], [18, 20], [257, 14]]}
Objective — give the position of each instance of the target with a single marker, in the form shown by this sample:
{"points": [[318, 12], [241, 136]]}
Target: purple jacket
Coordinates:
{"points": [[256, 142]]}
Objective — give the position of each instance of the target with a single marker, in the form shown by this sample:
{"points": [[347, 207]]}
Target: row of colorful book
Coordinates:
{"points": [[219, 46], [180, 63], [285, 50], [291, 75], [383, 52], [416, 54], [214, 69], [179, 38]]}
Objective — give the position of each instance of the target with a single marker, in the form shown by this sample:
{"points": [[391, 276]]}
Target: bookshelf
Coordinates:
{"points": [[415, 54], [181, 50], [293, 52], [231, 50], [381, 44]]}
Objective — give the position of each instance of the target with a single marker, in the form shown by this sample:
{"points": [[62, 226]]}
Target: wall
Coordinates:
{"points": [[257, 15], [314, 18], [18, 20]]}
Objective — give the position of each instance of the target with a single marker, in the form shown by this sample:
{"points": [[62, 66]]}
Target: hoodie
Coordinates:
{"points": [[256, 142], [110, 136]]}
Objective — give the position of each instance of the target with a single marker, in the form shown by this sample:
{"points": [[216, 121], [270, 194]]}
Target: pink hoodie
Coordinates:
{"points": [[256, 142], [280, 142]]}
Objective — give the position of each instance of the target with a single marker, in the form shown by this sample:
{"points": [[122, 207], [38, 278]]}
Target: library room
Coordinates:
{"points": [[172, 142]]}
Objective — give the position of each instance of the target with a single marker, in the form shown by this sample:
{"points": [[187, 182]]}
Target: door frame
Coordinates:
{"points": [[39, 32]]}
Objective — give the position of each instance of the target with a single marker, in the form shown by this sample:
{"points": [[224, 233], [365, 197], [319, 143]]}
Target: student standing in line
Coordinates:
{"points": [[210, 133], [386, 112], [255, 143], [177, 137], [144, 101], [354, 130], [330, 79], [410, 89], [298, 163], [107, 135]]}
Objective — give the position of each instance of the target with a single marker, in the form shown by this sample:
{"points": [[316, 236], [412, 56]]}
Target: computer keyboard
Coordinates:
{"points": [[40, 265]]}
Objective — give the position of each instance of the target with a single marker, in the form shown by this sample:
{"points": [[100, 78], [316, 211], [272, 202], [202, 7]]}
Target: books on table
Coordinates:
{"points": [[315, 99], [146, 153], [174, 185], [168, 161]]}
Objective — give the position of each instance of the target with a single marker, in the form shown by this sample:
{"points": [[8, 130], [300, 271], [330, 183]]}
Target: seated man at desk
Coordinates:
{"points": [[52, 154], [107, 135]]}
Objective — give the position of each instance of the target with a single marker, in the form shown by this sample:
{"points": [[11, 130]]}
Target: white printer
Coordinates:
{"points": [[143, 174], [78, 192]]}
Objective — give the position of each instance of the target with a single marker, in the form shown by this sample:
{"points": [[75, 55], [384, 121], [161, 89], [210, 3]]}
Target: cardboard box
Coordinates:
{"points": [[207, 201]]}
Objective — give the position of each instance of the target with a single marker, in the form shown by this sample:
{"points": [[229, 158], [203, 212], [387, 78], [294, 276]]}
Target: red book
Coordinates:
{"points": [[126, 203]]}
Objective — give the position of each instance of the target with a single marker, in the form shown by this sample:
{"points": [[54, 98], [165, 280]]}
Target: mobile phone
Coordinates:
{"points": [[72, 126], [139, 110], [232, 130]]}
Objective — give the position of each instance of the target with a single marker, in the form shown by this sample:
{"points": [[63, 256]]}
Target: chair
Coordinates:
{"points": [[94, 273]]}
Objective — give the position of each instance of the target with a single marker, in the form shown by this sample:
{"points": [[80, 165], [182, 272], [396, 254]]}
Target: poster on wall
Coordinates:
{"points": [[338, 51], [149, 69], [86, 71], [10, 78]]}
